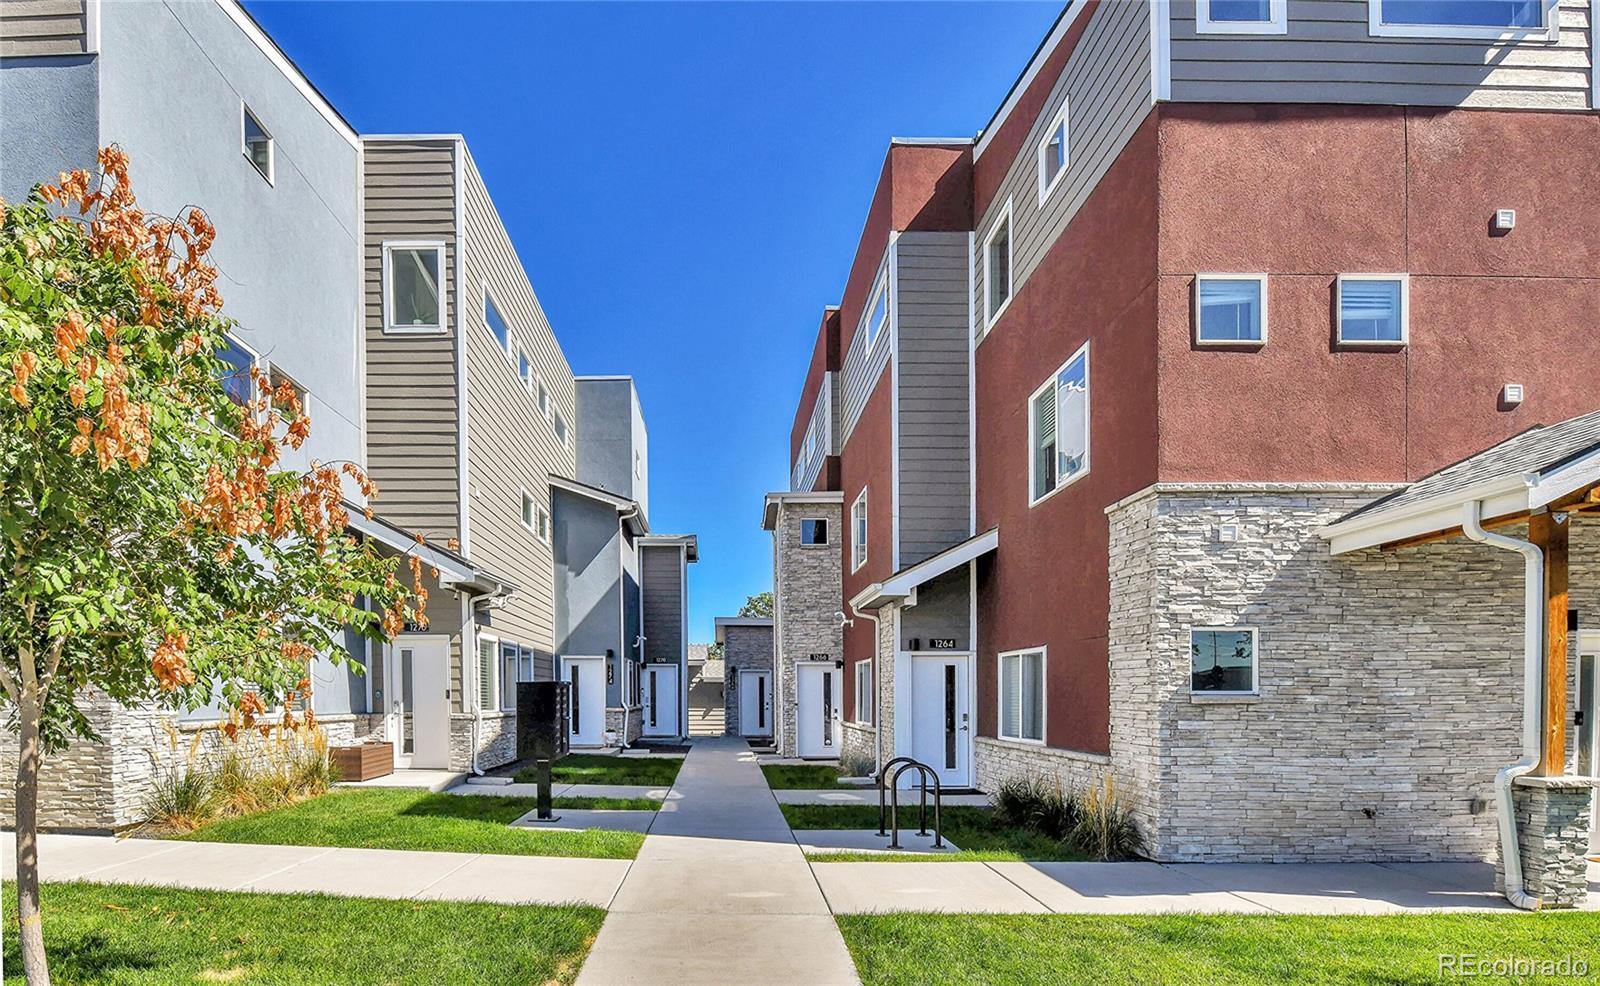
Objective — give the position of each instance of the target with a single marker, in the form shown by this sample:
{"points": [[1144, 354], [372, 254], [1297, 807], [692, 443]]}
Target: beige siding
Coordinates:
{"points": [[409, 194], [1107, 84], [511, 447], [1329, 56], [42, 27]]}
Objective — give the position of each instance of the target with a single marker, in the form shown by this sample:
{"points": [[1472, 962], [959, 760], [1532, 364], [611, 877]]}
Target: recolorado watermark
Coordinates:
{"points": [[1469, 965]]}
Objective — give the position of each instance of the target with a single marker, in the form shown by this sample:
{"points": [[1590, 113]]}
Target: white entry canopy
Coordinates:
{"points": [[1554, 467], [903, 583]]}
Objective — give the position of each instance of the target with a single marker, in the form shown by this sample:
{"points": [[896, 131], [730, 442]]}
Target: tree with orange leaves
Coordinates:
{"points": [[152, 545]]}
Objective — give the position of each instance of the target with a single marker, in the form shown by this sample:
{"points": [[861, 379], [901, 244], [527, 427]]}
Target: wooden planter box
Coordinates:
{"points": [[364, 761]]}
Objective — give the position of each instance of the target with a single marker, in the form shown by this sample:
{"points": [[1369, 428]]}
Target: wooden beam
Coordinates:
{"points": [[1551, 536]]}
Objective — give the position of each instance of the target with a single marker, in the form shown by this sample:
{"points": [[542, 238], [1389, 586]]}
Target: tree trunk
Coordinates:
{"points": [[31, 931]]}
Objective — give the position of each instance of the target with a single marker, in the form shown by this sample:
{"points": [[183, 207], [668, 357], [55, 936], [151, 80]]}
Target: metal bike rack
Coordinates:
{"points": [[925, 774]]}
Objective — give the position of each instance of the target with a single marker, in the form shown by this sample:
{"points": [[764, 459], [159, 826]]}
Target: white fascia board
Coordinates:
{"points": [[906, 582], [1064, 24], [450, 570], [1578, 474], [275, 55], [1500, 497]]}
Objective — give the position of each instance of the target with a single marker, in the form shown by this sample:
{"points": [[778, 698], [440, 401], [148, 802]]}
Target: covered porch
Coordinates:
{"points": [[1535, 495]]}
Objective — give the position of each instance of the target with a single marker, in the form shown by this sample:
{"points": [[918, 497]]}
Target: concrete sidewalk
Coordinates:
{"points": [[391, 873], [720, 858]]}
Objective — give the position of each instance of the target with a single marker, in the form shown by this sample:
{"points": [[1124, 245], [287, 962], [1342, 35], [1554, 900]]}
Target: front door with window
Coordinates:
{"points": [[755, 703], [586, 677], [819, 694], [419, 701], [941, 717], [660, 699]]}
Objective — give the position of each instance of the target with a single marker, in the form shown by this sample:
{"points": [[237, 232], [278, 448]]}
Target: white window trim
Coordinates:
{"points": [[1550, 31], [488, 300], [1277, 21], [858, 548], [1059, 120], [389, 247], [1003, 219], [871, 682], [828, 541], [564, 433], [270, 368], [1405, 312], [1266, 308], [494, 679], [1255, 662], [1044, 694], [541, 519], [272, 145], [1088, 402], [531, 525], [880, 289]]}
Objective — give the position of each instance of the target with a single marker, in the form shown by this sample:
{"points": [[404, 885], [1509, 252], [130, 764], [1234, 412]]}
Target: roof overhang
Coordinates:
{"points": [[724, 622], [769, 510], [903, 584], [1505, 499], [627, 510], [454, 571], [690, 543]]}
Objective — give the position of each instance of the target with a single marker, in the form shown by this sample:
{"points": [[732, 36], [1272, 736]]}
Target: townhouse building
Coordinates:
{"points": [[374, 273], [1234, 272]]}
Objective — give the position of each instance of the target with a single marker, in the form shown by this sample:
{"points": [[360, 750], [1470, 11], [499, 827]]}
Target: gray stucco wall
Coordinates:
{"points": [[588, 545], [610, 431], [51, 109]]}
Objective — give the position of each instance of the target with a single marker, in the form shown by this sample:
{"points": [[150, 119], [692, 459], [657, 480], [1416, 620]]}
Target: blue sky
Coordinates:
{"points": [[685, 183]]}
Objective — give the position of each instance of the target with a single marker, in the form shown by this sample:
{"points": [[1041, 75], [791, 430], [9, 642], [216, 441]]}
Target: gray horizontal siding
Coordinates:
{"points": [[1107, 83], [1329, 56], [661, 575], [821, 424], [42, 27], [862, 370], [931, 377], [409, 194]]}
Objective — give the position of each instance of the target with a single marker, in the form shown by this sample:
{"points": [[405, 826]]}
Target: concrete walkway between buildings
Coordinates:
{"points": [[391, 873], [720, 892]]}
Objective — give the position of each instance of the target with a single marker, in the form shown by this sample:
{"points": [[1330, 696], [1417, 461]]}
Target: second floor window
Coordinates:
{"points": [[1058, 428], [497, 325], [878, 310], [561, 429], [858, 532], [1230, 309], [238, 361], [814, 531], [1373, 309], [1241, 17], [257, 144], [997, 268], [1484, 19], [1053, 154], [414, 295]]}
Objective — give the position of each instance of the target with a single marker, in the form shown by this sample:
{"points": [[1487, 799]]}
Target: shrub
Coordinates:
{"points": [[857, 764], [1038, 805], [1096, 821], [183, 795], [1105, 828]]}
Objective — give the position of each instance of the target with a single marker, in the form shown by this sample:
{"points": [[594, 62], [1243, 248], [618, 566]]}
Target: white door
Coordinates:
{"points": [[941, 717], [755, 703], [660, 699], [817, 711], [587, 713], [419, 707], [1589, 725]]}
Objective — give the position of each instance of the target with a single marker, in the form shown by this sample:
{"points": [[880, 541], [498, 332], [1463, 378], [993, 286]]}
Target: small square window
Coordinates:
{"points": [[1022, 696], [413, 295], [1373, 309], [1222, 660], [1053, 154], [277, 380], [257, 144], [814, 531], [1230, 309], [997, 268], [1241, 17]]}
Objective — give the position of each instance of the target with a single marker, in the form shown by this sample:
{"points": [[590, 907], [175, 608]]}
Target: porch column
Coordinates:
{"points": [[1552, 537]]}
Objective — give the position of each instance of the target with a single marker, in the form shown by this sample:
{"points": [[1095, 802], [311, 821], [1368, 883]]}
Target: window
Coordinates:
{"points": [[542, 525], [1482, 19], [878, 310], [1022, 696], [997, 268], [544, 399], [561, 429], [488, 673], [1222, 660], [497, 323], [863, 696], [858, 531], [1230, 309], [1053, 154], [530, 511], [1373, 309], [524, 369], [1058, 428], [257, 143], [413, 299], [277, 380], [510, 671], [1241, 17], [238, 361], [814, 531]]}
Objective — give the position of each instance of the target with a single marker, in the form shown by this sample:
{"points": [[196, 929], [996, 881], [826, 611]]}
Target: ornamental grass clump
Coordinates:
{"points": [[1095, 821]]}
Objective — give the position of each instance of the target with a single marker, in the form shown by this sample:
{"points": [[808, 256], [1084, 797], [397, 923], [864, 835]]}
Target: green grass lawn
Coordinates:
{"points": [[596, 768], [396, 818], [98, 933], [804, 777], [608, 804], [980, 836], [1023, 950]]}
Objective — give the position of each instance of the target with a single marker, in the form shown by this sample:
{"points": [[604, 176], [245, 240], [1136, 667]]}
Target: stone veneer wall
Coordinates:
{"points": [[745, 649], [497, 740], [858, 744], [1389, 682], [634, 722], [808, 585]]}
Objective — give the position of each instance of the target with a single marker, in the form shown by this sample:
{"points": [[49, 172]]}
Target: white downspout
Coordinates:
{"points": [[469, 619], [877, 692], [1532, 683]]}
